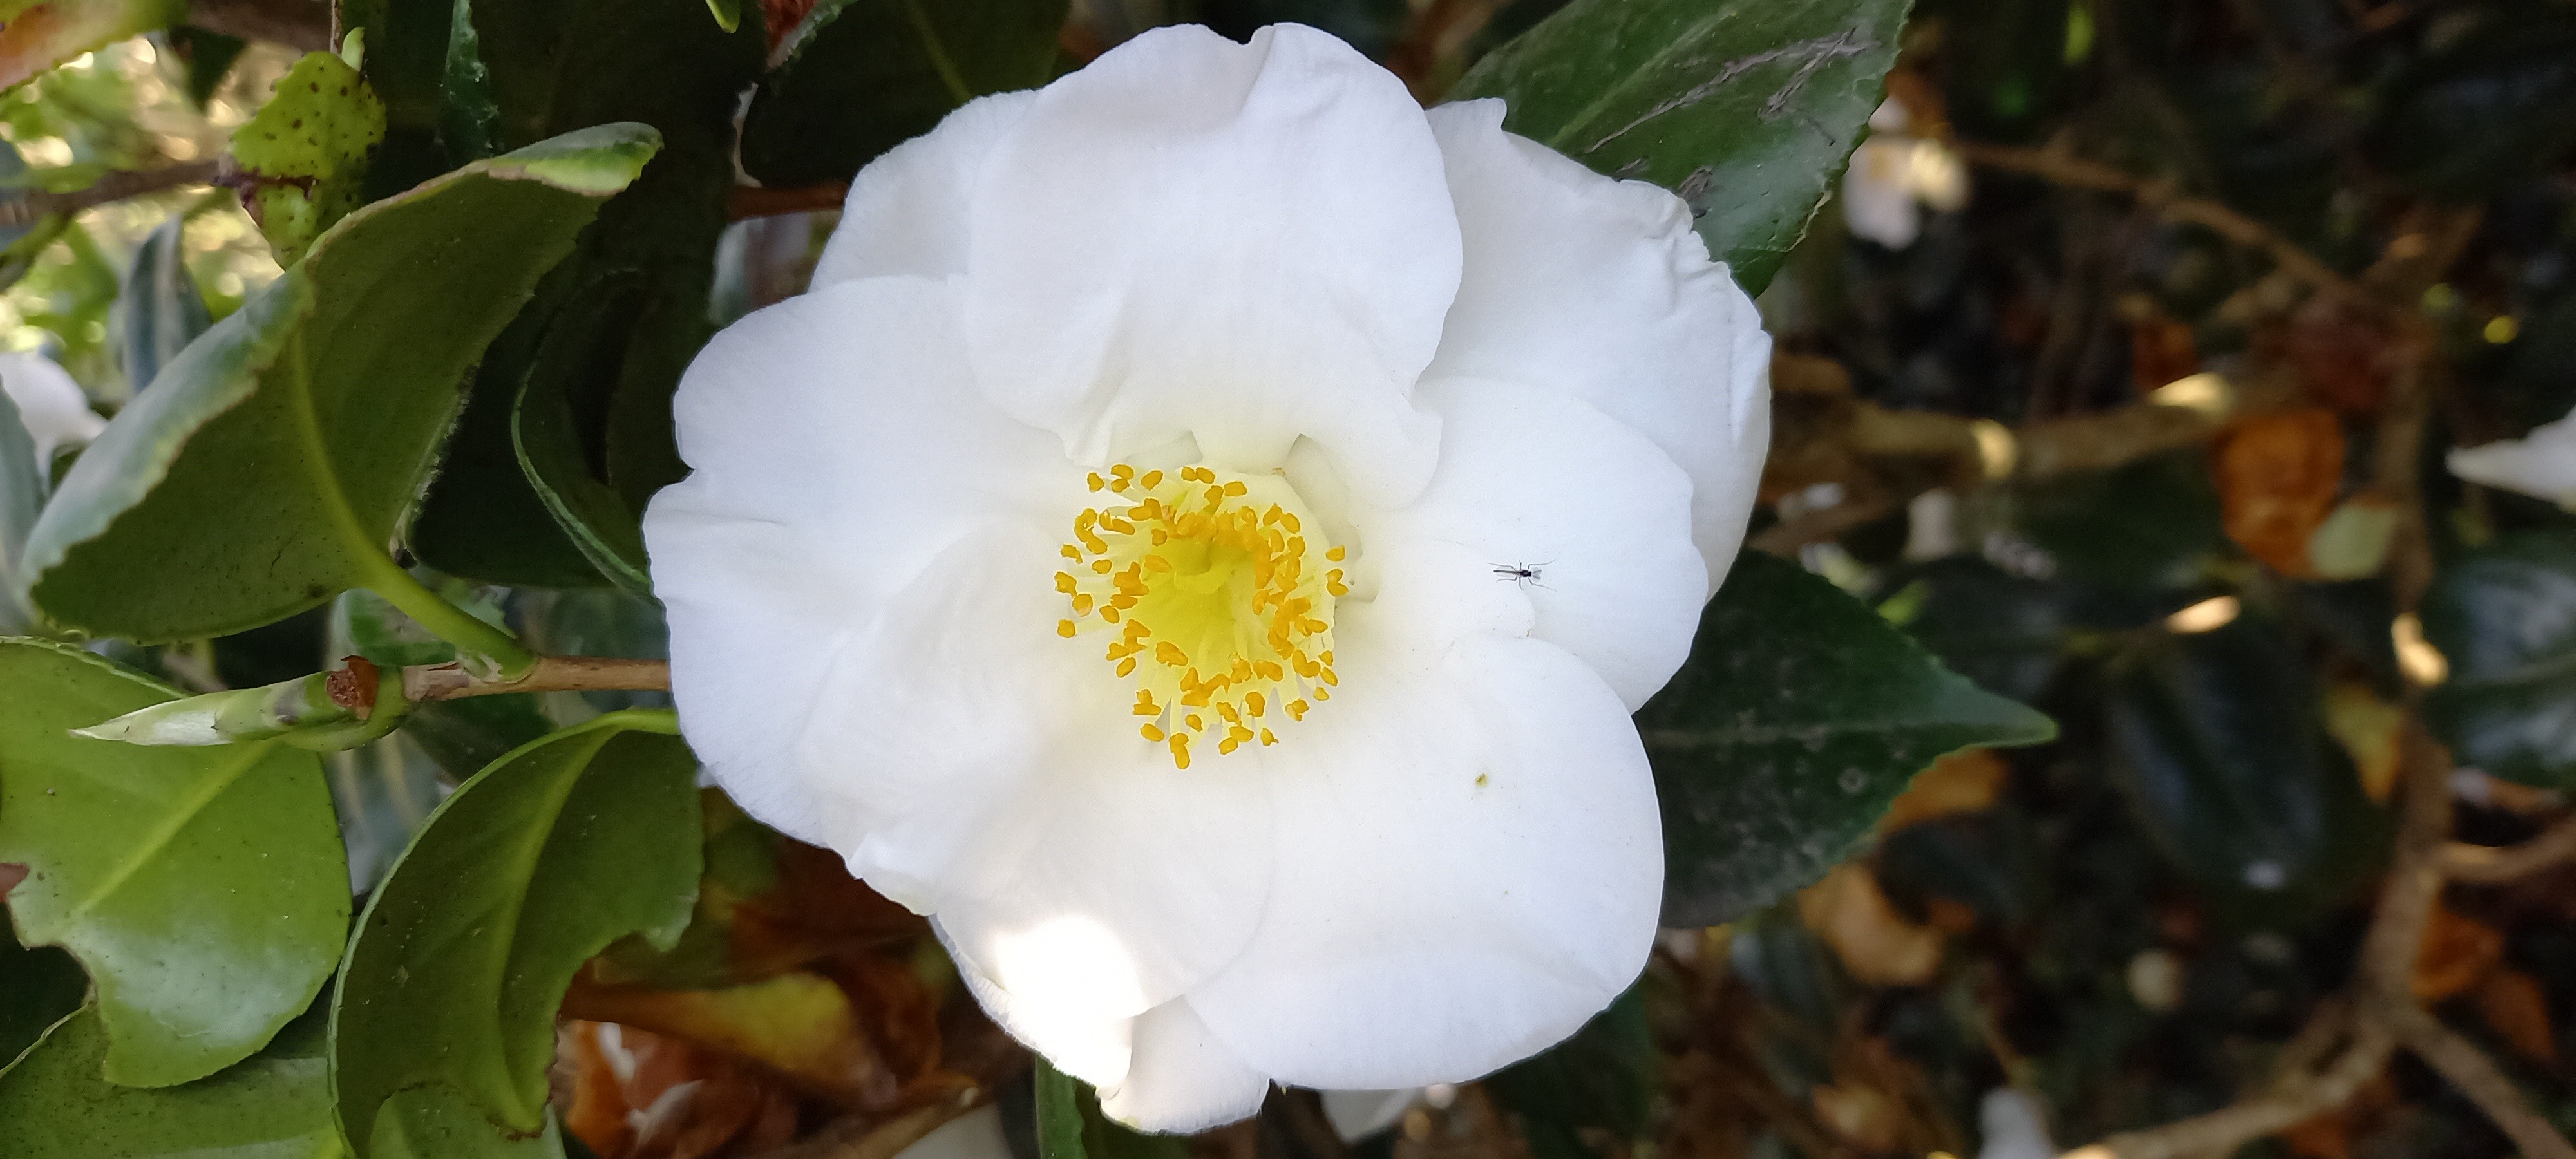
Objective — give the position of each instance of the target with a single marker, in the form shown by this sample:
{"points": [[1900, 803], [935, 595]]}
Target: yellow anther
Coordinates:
{"points": [[1064, 628], [1323, 694], [1335, 554], [1149, 732], [1207, 574]]}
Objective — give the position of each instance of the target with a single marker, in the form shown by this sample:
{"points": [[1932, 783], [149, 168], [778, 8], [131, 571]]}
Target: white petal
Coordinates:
{"points": [[1878, 192], [2013, 1127], [992, 774], [906, 213], [2541, 465], [1475, 870], [53, 407], [1540, 481], [1600, 288], [1182, 1080], [1244, 242], [839, 446], [1094, 1050]]}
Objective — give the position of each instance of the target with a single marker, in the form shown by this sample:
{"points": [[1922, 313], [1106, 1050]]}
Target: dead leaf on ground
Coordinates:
{"points": [[2458, 952], [2516, 1007], [1876, 944], [1963, 782]]}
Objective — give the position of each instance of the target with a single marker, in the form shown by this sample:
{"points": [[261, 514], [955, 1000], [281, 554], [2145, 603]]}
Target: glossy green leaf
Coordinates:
{"points": [[862, 76], [203, 888], [637, 285], [1799, 716], [1070, 1125], [525, 872], [728, 13], [274, 1105], [269, 467], [2505, 618], [2217, 741], [2494, 103], [160, 311], [1746, 108], [547, 425], [302, 159]]}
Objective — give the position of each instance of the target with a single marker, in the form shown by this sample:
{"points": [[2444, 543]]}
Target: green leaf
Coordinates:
{"points": [[303, 156], [1746, 108], [271, 464], [862, 76], [1602, 1078], [1070, 1125], [2218, 743], [638, 281], [575, 372], [160, 311], [728, 13], [275, 1105], [529, 869], [1798, 717], [2505, 618], [203, 888]]}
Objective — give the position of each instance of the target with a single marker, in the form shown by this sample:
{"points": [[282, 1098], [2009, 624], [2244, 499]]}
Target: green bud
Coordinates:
{"points": [[325, 712]]}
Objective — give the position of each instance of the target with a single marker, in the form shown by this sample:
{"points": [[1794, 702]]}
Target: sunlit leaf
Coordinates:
{"points": [[160, 310], [526, 871], [274, 1105], [1746, 108], [202, 887], [1798, 718], [268, 468]]}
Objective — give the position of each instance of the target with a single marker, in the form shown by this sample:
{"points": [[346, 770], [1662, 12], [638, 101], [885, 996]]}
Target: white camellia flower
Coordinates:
{"points": [[1200, 540], [2541, 464], [52, 406]]}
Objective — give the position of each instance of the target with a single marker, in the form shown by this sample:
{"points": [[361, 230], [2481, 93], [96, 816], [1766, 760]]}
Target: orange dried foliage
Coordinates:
{"points": [[1963, 782], [2457, 954], [800, 1025], [2331, 1135], [2516, 1007], [639, 1095], [1876, 944], [780, 17], [2277, 475]]}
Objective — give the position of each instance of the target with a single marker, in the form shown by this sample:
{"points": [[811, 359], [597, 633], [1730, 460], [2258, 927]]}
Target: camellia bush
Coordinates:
{"points": [[663, 579]]}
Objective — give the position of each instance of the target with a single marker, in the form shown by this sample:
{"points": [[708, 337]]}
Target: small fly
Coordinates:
{"points": [[1520, 572]]}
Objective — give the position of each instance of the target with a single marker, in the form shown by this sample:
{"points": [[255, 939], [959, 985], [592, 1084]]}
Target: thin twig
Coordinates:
{"points": [[748, 201], [2486, 864], [2063, 169], [28, 208], [2486, 1084], [450, 681], [2222, 1131]]}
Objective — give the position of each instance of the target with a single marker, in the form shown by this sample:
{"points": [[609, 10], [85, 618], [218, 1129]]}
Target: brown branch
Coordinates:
{"points": [[304, 24], [2060, 168], [2294, 1102], [21, 209], [2486, 1084], [2486, 864], [450, 681], [748, 201]]}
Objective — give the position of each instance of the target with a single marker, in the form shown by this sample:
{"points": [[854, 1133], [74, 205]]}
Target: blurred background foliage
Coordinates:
{"points": [[2118, 375]]}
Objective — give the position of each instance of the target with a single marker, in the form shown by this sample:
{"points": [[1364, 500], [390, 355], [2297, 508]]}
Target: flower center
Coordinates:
{"points": [[1216, 605]]}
